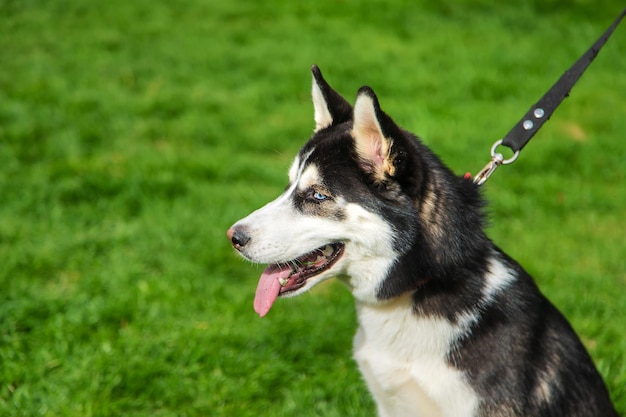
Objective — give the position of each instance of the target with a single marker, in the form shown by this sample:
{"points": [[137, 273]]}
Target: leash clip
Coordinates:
{"points": [[497, 159]]}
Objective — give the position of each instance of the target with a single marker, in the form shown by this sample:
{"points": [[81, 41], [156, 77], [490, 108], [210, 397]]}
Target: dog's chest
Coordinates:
{"points": [[403, 360]]}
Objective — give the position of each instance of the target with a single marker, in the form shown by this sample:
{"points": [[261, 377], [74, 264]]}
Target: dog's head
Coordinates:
{"points": [[362, 194]]}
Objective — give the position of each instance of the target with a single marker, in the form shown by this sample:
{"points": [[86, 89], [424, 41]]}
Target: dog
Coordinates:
{"points": [[449, 325]]}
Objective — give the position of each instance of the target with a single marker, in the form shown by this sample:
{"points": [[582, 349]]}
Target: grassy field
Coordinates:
{"points": [[134, 133]]}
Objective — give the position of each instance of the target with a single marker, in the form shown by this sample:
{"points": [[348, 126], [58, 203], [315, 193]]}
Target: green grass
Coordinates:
{"points": [[132, 134]]}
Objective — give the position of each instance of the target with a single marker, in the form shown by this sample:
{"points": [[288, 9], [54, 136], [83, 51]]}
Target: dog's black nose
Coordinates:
{"points": [[238, 237]]}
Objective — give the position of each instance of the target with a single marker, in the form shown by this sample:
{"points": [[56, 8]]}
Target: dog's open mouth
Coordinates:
{"points": [[282, 278]]}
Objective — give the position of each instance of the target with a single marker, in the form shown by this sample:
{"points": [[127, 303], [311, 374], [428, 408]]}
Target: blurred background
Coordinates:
{"points": [[133, 134]]}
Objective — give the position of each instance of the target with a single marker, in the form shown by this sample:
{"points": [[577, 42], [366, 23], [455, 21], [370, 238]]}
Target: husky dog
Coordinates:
{"points": [[449, 325]]}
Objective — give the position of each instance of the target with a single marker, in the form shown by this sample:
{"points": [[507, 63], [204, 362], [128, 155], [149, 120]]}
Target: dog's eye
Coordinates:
{"points": [[317, 196]]}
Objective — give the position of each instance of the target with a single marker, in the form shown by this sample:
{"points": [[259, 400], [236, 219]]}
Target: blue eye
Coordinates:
{"points": [[319, 196]]}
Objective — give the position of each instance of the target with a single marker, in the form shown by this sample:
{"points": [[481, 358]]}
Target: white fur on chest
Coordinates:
{"points": [[403, 360]]}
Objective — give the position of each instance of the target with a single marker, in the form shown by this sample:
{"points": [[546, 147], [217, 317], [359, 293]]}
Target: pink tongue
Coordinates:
{"points": [[269, 287]]}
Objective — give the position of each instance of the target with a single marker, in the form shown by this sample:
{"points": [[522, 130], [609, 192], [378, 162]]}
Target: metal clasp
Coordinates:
{"points": [[496, 160]]}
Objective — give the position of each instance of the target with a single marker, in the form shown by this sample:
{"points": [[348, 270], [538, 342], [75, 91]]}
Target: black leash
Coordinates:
{"points": [[538, 114]]}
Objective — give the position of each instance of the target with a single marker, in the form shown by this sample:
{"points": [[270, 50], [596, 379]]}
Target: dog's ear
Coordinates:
{"points": [[373, 145], [330, 107]]}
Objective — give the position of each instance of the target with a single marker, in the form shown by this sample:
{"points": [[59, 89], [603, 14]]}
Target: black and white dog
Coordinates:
{"points": [[449, 325]]}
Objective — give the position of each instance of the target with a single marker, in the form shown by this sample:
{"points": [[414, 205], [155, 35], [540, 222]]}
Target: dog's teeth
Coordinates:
{"points": [[282, 281], [328, 250]]}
